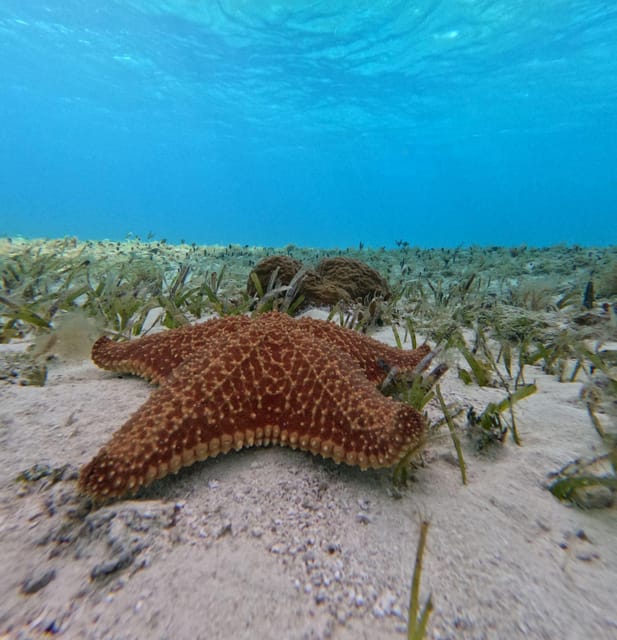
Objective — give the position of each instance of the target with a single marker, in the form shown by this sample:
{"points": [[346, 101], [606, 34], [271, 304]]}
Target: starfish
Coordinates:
{"points": [[238, 382]]}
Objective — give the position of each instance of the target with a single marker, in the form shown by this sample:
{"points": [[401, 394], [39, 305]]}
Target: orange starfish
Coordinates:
{"points": [[238, 382]]}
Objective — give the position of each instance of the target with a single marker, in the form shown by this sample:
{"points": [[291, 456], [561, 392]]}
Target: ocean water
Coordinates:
{"points": [[322, 123]]}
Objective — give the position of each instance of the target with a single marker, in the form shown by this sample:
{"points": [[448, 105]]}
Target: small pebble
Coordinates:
{"points": [[120, 583], [37, 580], [596, 498], [50, 626], [317, 579], [223, 530], [308, 557]]}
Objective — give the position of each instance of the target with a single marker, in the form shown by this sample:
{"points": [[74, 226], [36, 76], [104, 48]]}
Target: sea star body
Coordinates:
{"points": [[238, 382]]}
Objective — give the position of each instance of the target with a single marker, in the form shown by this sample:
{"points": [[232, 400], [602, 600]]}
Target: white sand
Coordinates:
{"points": [[274, 543]]}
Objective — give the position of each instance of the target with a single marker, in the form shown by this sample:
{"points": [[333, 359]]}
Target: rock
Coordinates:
{"points": [[23, 369], [355, 277], [333, 280], [599, 497], [264, 269], [120, 533], [38, 579], [120, 561]]}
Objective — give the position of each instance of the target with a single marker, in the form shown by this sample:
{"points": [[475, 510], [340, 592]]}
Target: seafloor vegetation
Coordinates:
{"points": [[490, 312]]}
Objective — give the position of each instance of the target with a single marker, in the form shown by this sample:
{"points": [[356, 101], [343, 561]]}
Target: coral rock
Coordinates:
{"points": [[332, 281], [287, 269], [354, 276]]}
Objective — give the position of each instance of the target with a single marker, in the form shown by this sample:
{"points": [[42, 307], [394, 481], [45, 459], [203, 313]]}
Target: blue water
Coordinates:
{"points": [[323, 123]]}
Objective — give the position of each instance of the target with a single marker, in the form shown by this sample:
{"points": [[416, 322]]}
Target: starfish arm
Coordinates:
{"points": [[374, 357], [155, 356], [265, 386]]}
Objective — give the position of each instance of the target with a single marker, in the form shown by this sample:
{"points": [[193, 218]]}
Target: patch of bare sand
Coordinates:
{"points": [[277, 544]]}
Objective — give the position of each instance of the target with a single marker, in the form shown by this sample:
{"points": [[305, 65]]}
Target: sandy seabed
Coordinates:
{"points": [[274, 543]]}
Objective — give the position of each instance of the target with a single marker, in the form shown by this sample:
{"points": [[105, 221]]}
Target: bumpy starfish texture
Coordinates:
{"points": [[239, 382]]}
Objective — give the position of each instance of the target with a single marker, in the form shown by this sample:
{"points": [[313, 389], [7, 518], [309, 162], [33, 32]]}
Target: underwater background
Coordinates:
{"points": [[315, 123]]}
